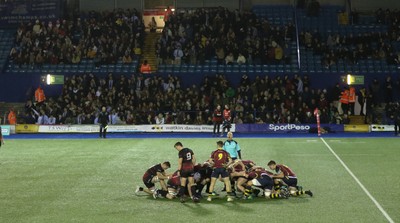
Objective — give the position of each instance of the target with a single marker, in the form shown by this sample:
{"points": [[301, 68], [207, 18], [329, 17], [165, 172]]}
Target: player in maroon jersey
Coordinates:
{"points": [[221, 159], [217, 120], [262, 179], [173, 184], [285, 175], [153, 175], [227, 118], [238, 172], [186, 171]]}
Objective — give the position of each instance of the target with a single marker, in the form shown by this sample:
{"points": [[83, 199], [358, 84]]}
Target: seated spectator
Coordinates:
{"points": [[229, 59], [126, 59], [241, 59]]}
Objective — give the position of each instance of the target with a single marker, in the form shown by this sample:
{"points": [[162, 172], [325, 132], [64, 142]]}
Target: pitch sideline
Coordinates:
{"points": [[359, 183]]}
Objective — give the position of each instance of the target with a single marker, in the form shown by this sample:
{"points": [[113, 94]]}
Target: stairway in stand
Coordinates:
{"points": [[357, 119], [149, 50]]}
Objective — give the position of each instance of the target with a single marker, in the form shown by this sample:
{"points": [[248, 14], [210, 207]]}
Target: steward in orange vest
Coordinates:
{"points": [[145, 68], [39, 95], [12, 118], [344, 100]]}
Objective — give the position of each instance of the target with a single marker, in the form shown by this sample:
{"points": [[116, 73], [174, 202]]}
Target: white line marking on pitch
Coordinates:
{"points": [[359, 183]]}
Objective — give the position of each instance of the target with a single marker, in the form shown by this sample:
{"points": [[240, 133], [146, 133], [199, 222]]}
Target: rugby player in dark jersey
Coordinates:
{"points": [[285, 175], [186, 163], [153, 175]]}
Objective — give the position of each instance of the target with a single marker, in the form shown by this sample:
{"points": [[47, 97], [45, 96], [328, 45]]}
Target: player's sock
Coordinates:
{"points": [[248, 191], [200, 188], [277, 186], [275, 196], [208, 187], [181, 191], [299, 192], [193, 190]]}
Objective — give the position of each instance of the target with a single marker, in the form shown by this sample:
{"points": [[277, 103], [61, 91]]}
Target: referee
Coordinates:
{"points": [[103, 121], [232, 147]]}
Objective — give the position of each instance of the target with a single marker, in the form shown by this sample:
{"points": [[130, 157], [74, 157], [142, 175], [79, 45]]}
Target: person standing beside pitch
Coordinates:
{"points": [[103, 121]]}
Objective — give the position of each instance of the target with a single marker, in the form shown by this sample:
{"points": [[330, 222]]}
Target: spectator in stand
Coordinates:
{"points": [[153, 25], [241, 59], [127, 59], [229, 59], [178, 54]]}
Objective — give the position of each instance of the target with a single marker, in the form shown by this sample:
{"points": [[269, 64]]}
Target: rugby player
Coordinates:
{"points": [[186, 163], [153, 175], [221, 159], [262, 179], [285, 175]]}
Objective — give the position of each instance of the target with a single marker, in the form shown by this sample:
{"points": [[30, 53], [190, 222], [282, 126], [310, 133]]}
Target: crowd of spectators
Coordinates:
{"points": [[156, 100], [191, 37], [353, 47], [104, 37]]}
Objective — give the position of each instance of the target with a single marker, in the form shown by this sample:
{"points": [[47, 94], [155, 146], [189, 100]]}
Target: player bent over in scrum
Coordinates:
{"points": [[201, 178], [286, 177], [238, 172], [173, 185], [153, 175], [262, 179], [221, 160]]}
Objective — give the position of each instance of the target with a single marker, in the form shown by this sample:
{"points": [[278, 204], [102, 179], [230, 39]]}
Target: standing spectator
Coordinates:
{"points": [[227, 120], [153, 25], [178, 54], [217, 120], [362, 97], [344, 100], [103, 121], [352, 99], [12, 117], [39, 95], [388, 89]]}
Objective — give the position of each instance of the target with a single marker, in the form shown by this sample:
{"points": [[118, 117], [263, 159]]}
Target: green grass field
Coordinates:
{"points": [[92, 180]]}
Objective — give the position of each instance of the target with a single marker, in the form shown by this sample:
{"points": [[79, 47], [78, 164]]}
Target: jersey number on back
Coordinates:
{"points": [[188, 156]]}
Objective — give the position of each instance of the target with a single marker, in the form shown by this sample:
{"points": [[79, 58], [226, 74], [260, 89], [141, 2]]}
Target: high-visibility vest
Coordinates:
{"points": [[12, 118], [145, 68], [344, 98], [352, 95], [39, 95]]}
